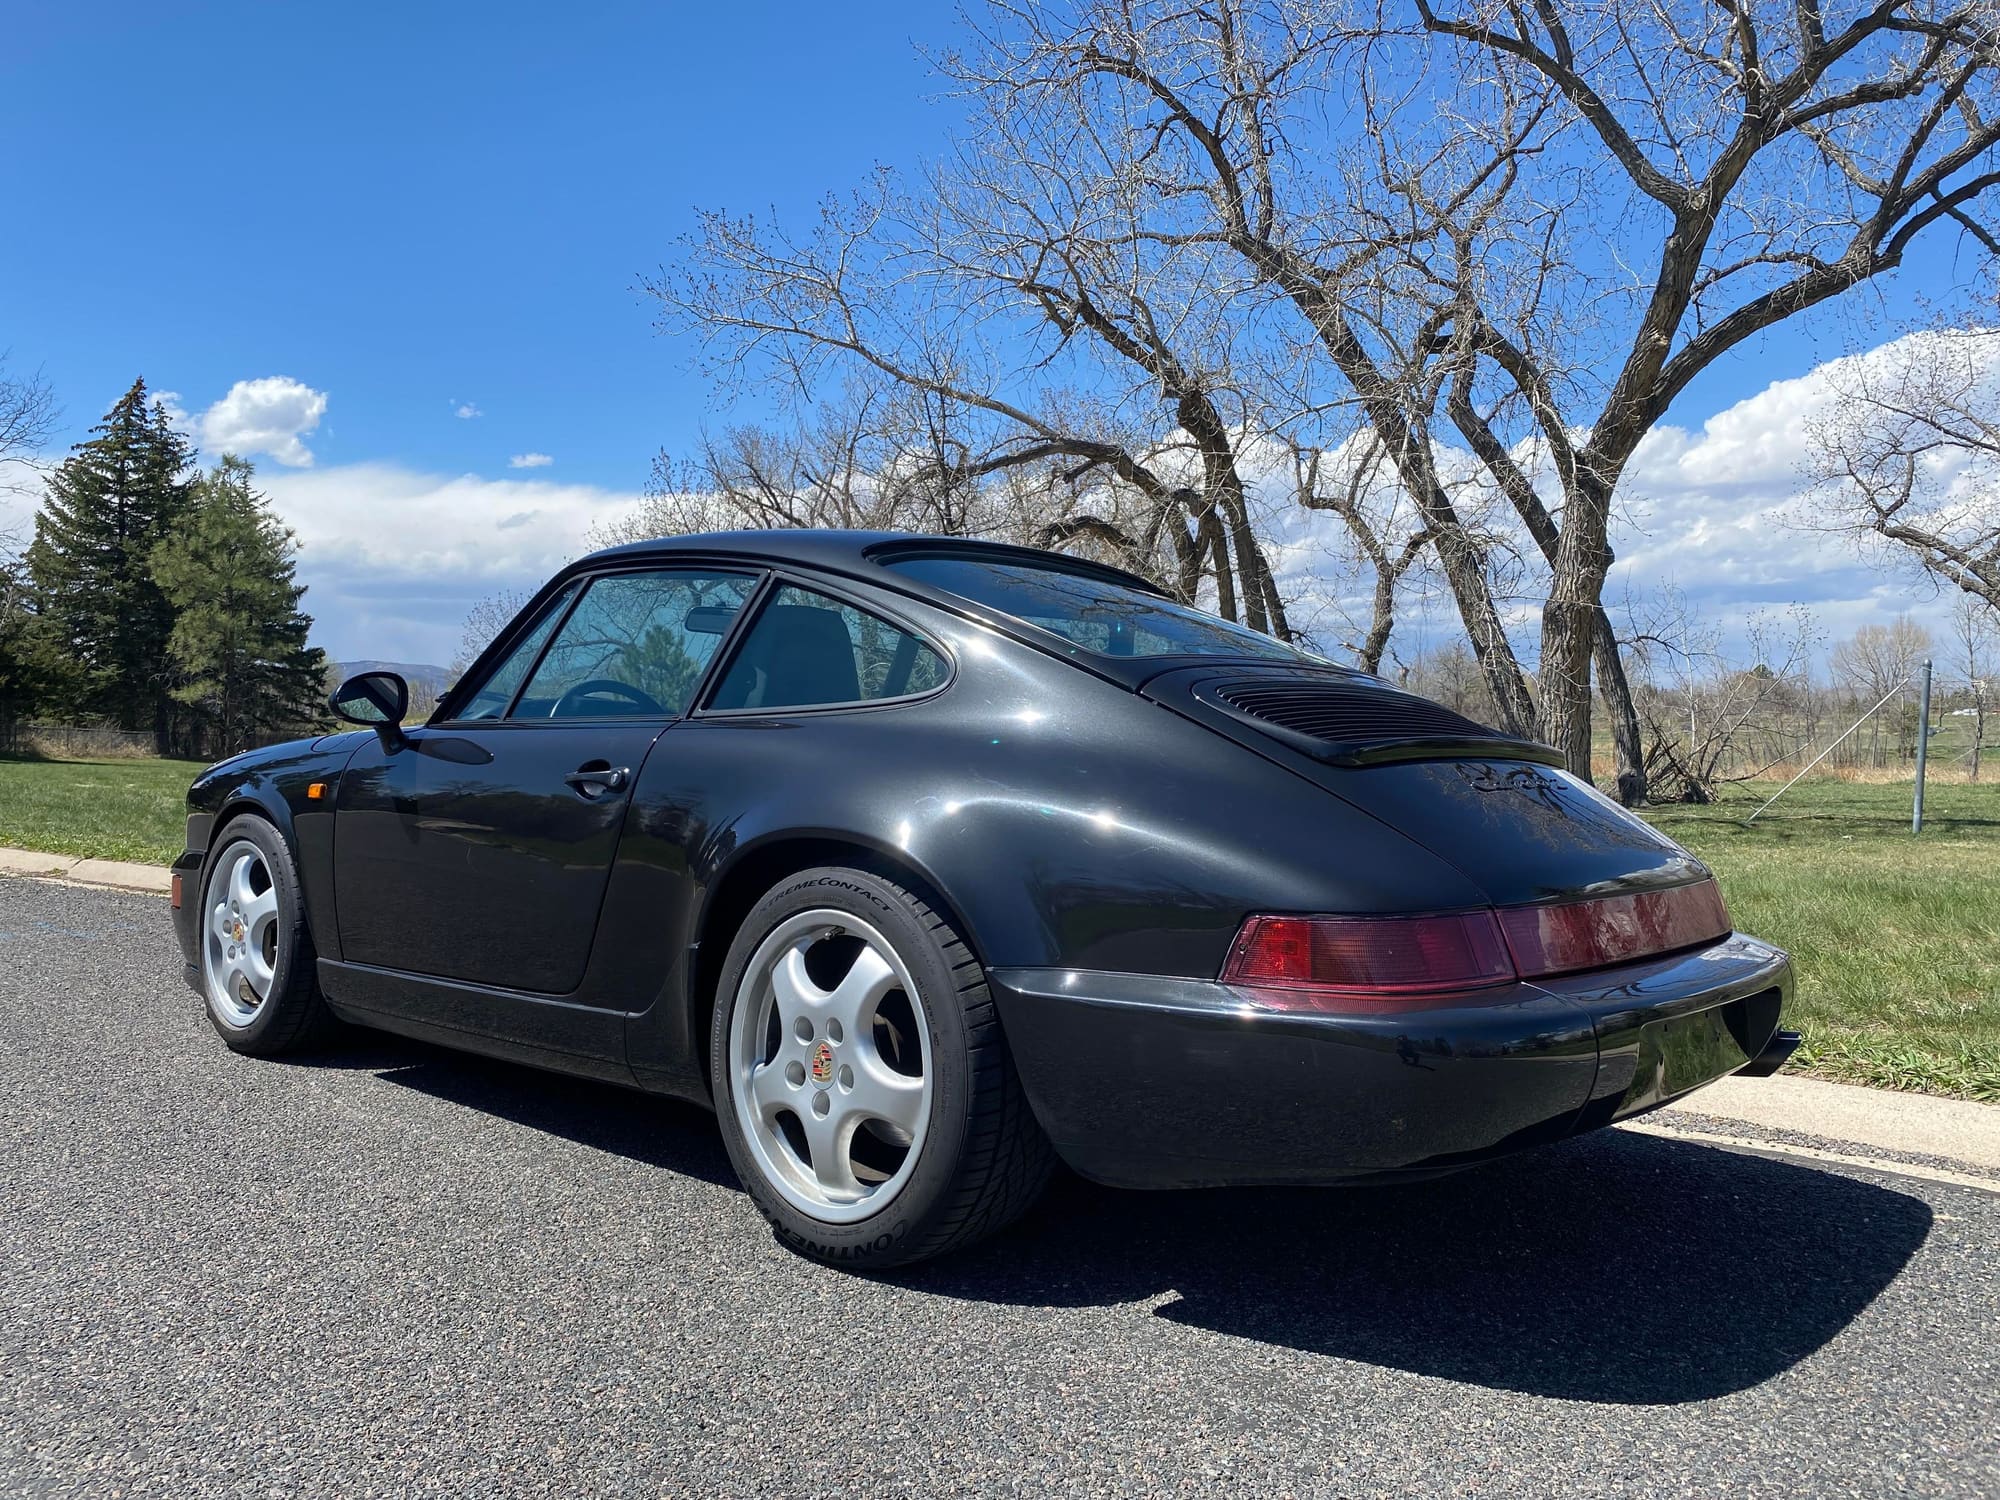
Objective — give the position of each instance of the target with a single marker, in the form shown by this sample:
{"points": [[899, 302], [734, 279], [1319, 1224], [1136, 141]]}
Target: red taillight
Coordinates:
{"points": [[1607, 930], [1359, 957], [1306, 963]]}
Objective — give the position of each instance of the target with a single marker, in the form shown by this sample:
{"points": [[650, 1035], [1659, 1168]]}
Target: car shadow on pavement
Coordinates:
{"points": [[1616, 1268], [646, 1128]]}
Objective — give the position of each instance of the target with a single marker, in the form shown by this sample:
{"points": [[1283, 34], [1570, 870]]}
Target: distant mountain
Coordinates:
{"points": [[416, 673]]}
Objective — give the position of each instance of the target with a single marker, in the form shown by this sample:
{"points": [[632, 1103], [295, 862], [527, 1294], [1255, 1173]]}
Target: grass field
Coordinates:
{"points": [[102, 809], [1897, 938]]}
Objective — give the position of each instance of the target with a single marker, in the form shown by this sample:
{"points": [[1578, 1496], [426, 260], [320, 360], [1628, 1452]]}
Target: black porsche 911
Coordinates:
{"points": [[930, 862]]}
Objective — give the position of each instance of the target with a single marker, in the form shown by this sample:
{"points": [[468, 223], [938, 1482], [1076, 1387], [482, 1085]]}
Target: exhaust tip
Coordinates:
{"points": [[1777, 1052]]}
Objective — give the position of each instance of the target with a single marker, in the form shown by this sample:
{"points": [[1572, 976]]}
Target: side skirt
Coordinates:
{"points": [[533, 1029]]}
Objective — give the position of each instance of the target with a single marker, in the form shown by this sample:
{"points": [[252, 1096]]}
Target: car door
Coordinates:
{"points": [[478, 849]]}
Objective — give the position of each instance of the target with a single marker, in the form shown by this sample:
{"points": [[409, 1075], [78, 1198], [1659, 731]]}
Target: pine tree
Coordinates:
{"points": [[102, 621], [238, 646], [21, 677]]}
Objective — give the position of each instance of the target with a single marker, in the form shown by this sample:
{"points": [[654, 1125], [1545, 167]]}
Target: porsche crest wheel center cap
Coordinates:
{"points": [[822, 1064]]}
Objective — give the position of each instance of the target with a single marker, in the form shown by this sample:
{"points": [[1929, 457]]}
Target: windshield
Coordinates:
{"points": [[1094, 613]]}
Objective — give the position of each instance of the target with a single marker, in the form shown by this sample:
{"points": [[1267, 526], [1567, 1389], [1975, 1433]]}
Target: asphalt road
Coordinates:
{"points": [[405, 1271]]}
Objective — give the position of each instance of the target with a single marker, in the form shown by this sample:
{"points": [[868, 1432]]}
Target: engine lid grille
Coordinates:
{"points": [[1359, 721]]}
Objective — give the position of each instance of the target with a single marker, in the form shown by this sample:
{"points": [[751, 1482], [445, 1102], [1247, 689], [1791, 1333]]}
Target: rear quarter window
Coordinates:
{"points": [[806, 649]]}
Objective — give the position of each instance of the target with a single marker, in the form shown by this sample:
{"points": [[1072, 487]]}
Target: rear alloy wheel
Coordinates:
{"points": [[257, 958], [866, 1094]]}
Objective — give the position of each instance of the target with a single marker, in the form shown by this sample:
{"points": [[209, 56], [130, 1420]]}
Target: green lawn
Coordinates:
{"points": [[1897, 938], [102, 809]]}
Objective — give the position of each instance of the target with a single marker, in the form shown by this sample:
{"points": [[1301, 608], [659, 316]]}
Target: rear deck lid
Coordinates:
{"points": [[1502, 810]]}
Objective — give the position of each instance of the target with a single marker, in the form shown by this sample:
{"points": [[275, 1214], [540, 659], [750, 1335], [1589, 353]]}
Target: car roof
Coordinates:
{"points": [[852, 551], [859, 555]]}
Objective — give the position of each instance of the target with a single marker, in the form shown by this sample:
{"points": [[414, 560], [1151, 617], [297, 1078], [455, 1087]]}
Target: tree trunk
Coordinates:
{"points": [[1281, 625], [1252, 591], [1380, 624], [1616, 690], [1408, 446], [1465, 572], [1187, 554], [1218, 551], [1570, 622]]}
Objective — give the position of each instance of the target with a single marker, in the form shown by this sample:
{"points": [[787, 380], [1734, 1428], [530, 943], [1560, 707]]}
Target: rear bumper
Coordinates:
{"points": [[1148, 1082]]}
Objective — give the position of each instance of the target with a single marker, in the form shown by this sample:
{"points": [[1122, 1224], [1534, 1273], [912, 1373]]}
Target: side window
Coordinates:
{"points": [[491, 701], [635, 646], [807, 649]]}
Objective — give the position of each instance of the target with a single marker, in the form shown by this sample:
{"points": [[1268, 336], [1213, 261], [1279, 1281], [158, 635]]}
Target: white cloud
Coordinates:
{"points": [[465, 411], [1705, 510], [270, 416], [393, 559], [1713, 510], [529, 461]]}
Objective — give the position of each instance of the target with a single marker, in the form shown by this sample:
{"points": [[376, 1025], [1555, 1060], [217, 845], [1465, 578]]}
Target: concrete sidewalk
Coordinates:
{"points": [[1917, 1124], [116, 873]]}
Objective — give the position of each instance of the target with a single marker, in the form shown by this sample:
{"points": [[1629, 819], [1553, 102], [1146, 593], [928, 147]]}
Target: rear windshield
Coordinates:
{"points": [[1094, 613]]}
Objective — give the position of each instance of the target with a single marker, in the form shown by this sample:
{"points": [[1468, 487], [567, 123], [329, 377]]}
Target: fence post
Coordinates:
{"points": [[1923, 745]]}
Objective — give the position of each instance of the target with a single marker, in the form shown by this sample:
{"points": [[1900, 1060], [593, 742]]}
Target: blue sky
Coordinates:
{"points": [[414, 207], [414, 210]]}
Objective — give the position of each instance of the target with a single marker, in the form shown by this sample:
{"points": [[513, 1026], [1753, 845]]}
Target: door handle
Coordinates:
{"points": [[595, 781]]}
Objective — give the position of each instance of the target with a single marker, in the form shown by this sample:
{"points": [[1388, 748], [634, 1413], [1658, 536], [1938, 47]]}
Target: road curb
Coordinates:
{"points": [[1950, 1129], [115, 874]]}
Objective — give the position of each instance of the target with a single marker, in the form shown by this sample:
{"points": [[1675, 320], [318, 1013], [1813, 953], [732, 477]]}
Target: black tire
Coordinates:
{"points": [[292, 1017], [983, 1159]]}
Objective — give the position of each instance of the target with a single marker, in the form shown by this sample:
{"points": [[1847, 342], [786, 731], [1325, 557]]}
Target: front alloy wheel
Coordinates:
{"points": [[258, 969], [239, 956]]}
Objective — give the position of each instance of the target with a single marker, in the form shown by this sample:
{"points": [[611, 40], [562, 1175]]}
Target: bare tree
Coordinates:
{"points": [[1907, 456], [1718, 708], [28, 417], [1390, 543], [1526, 228], [1449, 675], [1975, 631], [1875, 662], [483, 622], [994, 354], [1745, 160]]}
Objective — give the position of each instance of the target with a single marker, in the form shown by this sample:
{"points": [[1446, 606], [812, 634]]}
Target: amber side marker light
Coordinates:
{"points": [[176, 883], [1312, 963], [315, 791]]}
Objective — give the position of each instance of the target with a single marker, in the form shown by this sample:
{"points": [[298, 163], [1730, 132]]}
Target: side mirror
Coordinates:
{"points": [[375, 700]]}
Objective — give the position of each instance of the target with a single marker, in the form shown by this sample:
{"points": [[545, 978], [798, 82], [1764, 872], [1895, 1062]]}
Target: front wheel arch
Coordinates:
{"points": [[232, 814], [293, 1015]]}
